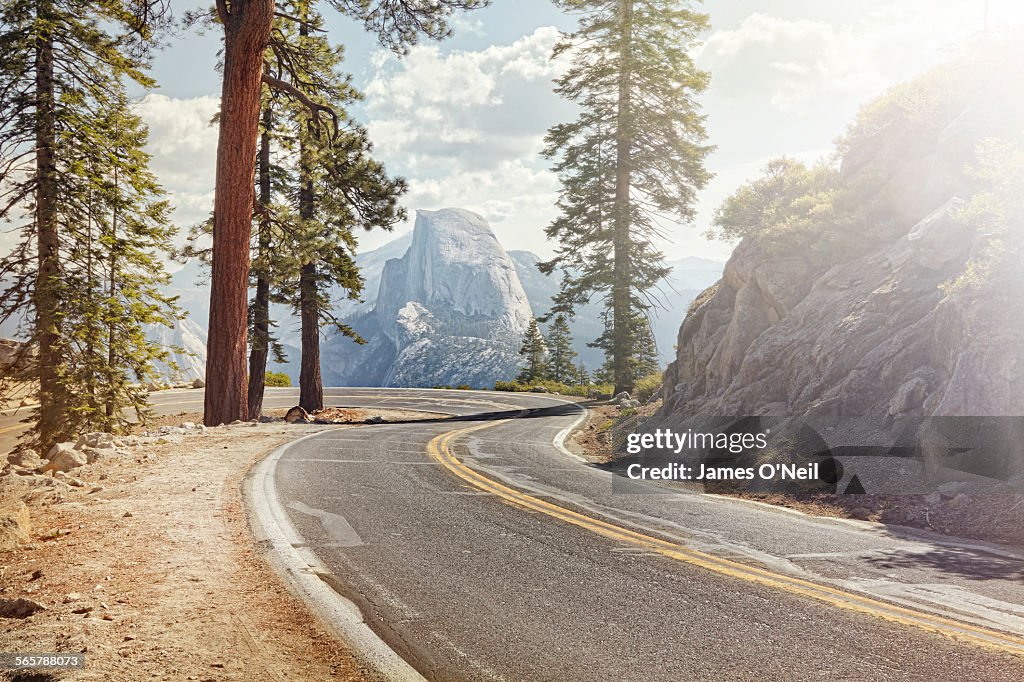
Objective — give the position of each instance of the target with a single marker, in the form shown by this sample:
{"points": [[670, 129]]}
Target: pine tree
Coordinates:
{"points": [[534, 352], [580, 375], [114, 273], [262, 271], [248, 32], [634, 155], [643, 360], [561, 354], [62, 75], [339, 188]]}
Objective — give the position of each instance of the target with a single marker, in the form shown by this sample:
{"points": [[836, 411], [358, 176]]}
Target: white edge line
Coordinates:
{"points": [[298, 568], [559, 441]]}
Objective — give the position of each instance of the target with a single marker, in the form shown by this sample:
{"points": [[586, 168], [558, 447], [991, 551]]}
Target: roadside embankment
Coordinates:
{"points": [[143, 560]]}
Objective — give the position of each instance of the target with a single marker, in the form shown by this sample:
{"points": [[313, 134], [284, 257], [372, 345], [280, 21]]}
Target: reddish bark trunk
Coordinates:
{"points": [[246, 34]]}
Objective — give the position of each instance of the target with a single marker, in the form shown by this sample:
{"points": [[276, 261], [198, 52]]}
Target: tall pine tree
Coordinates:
{"points": [[114, 273], [63, 73], [635, 154], [338, 188]]}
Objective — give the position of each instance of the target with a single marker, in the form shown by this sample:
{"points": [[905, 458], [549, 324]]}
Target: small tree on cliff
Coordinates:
{"points": [[247, 34], [534, 352], [635, 153]]}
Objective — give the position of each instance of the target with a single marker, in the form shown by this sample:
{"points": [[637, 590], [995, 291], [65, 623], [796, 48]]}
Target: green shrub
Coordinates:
{"points": [[647, 387], [278, 380], [553, 387], [463, 387]]}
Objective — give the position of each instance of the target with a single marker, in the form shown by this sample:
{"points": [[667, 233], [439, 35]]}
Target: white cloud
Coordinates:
{"points": [[183, 144], [805, 66], [466, 128]]}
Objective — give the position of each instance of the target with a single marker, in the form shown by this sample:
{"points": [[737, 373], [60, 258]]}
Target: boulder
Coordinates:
{"points": [[96, 454], [539, 389], [375, 420], [297, 415], [960, 502], [96, 440], [198, 383], [19, 608], [64, 457], [28, 459]]}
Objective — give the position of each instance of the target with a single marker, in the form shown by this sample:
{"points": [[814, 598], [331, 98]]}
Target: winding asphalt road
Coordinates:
{"points": [[479, 550]]}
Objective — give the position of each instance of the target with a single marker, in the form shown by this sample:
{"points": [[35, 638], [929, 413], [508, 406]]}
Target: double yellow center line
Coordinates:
{"points": [[439, 449]]}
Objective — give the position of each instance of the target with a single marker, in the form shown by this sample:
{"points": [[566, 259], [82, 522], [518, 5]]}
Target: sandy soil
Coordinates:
{"points": [[149, 569]]}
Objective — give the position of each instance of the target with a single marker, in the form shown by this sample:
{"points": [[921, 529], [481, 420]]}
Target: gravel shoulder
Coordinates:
{"points": [[149, 568]]}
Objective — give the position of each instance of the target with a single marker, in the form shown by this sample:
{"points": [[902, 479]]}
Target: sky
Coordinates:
{"points": [[463, 120]]}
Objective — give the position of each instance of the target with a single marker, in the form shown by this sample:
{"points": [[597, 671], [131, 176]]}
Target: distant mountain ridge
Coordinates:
{"points": [[447, 284]]}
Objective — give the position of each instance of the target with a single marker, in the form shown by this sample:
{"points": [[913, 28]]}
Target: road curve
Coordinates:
{"points": [[479, 551]]}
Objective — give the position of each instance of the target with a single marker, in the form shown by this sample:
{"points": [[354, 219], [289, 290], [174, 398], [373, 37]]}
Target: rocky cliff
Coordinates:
{"points": [[869, 322], [450, 311]]}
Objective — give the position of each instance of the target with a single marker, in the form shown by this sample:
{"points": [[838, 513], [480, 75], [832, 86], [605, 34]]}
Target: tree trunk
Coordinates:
{"points": [[110, 408], [261, 303], [621, 282], [47, 285], [246, 34], [311, 389]]}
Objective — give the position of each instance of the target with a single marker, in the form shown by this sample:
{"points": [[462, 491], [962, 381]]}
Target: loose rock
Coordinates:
{"points": [[19, 608], [64, 457], [297, 415]]}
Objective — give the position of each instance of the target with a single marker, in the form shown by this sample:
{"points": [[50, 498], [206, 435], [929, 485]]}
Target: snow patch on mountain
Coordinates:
{"points": [[450, 311]]}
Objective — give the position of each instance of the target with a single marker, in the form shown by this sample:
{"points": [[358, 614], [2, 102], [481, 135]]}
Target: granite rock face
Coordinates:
{"points": [[450, 311], [873, 332]]}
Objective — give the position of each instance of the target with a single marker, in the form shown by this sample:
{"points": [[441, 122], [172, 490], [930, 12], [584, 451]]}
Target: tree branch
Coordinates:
{"points": [[314, 108], [299, 21]]}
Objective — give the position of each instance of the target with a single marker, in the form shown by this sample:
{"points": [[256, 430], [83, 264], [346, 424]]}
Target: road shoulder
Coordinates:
{"points": [[151, 566]]}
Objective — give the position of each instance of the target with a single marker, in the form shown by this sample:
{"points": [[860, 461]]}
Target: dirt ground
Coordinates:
{"points": [[996, 517], [149, 568]]}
